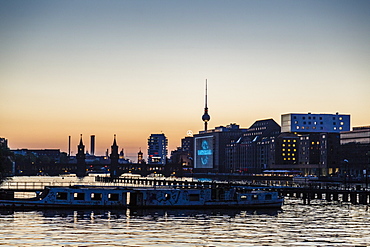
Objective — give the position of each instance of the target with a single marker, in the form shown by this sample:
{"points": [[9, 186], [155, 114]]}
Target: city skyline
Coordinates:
{"points": [[136, 68]]}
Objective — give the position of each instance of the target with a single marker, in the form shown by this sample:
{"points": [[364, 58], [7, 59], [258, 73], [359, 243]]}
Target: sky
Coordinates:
{"points": [[134, 67]]}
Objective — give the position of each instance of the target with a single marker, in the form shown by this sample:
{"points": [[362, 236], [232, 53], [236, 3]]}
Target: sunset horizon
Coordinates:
{"points": [[134, 68]]}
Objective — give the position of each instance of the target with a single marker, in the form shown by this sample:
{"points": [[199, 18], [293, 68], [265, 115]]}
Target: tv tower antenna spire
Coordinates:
{"points": [[206, 116]]}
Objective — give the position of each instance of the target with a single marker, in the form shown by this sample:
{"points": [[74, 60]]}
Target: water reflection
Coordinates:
{"points": [[295, 225], [147, 213]]}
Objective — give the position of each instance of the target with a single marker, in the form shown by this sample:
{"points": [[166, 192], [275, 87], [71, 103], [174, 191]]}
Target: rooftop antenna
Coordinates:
{"points": [[206, 116]]}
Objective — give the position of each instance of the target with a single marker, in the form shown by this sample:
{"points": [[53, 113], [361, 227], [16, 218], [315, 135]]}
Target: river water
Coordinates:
{"points": [[318, 224]]}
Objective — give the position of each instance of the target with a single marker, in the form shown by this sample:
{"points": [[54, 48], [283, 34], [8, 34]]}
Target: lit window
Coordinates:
{"points": [[340, 128], [335, 128], [288, 150], [293, 158], [283, 149], [340, 118], [295, 150], [294, 140], [341, 123], [297, 127], [288, 140]]}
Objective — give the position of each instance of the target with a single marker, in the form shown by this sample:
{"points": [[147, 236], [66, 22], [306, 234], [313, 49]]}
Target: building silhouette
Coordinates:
{"points": [[355, 152], [157, 149], [310, 143], [210, 148], [80, 157], [92, 145], [140, 157], [254, 150], [114, 157], [184, 155]]}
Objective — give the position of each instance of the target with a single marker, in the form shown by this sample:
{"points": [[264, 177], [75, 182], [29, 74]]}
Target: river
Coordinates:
{"points": [[318, 224]]}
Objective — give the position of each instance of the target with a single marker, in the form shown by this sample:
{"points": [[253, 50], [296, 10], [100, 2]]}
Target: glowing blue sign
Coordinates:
{"points": [[204, 152]]}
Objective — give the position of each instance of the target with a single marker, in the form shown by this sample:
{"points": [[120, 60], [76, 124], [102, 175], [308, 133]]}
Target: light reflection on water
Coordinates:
{"points": [[295, 225]]}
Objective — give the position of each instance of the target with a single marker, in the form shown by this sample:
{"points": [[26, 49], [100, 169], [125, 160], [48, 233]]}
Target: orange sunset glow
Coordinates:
{"points": [[134, 68]]}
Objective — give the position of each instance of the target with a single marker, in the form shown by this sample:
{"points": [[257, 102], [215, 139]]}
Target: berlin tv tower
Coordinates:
{"points": [[206, 116]]}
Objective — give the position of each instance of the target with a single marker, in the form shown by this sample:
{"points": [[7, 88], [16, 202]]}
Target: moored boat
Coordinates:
{"points": [[146, 197]]}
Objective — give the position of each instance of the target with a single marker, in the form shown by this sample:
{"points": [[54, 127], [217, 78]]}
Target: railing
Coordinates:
{"points": [[37, 186]]}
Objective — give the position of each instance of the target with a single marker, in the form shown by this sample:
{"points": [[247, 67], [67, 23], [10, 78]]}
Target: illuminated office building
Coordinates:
{"points": [[315, 123], [316, 140], [210, 148], [157, 149]]}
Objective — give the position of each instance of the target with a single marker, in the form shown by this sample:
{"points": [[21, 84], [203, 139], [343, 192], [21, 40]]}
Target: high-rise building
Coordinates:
{"points": [[254, 151], [157, 149], [315, 123], [210, 148], [355, 151], [357, 135], [316, 146], [184, 155]]}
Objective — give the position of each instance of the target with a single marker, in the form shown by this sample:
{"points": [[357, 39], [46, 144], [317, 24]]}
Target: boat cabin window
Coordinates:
{"points": [[193, 197], [167, 196], [255, 197], [243, 197], [113, 197], [79, 196], [96, 196], [268, 197], [62, 195]]}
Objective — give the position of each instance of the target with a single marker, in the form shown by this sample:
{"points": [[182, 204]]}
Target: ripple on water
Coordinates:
{"points": [[295, 225]]}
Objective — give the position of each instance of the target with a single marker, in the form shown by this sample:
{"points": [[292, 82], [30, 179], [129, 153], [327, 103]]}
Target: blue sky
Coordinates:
{"points": [[138, 67]]}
